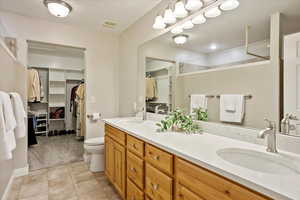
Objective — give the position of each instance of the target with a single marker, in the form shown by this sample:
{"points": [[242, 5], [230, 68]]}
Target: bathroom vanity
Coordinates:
{"points": [[144, 164]]}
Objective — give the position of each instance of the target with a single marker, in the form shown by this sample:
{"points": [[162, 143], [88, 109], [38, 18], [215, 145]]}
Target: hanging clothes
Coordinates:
{"points": [[151, 88], [34, 86], [72, 100], [80, 93]]}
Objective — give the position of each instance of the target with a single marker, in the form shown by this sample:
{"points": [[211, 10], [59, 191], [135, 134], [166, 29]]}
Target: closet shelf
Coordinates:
{"points": [[57, 105], [61, 119]]}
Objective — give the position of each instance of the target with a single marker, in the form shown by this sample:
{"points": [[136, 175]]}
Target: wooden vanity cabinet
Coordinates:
{"points": [[115, 166], [141, 171]]}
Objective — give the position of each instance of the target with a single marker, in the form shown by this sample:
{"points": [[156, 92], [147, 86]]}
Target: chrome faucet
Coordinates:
{"points": [[286, 126], [270, 132]]}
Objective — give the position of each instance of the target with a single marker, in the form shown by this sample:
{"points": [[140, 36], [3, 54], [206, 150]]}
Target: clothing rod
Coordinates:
{"points": [[248, 96], [208, 96]]}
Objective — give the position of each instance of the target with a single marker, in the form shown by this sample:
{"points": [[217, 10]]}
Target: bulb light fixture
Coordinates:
{"points": [[229, 5], [193, 5], [159, 23], [188, 25], [213, 12], [169, 17], [180, 39], [58, 8], [180, 11], [177, 30], [200, 19]]}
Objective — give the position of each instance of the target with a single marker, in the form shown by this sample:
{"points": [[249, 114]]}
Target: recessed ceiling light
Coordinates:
{"points": [[213, 12], [58, 8], [213, 47], [230, 5], [180, 39]]}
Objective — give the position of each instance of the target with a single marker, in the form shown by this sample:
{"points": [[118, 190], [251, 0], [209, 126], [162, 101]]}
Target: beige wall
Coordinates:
{"points": [[101, 59], [254, 79], [12, 79]]}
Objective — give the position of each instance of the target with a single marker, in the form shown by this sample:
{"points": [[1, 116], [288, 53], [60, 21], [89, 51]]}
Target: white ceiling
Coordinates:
{"points": [[87, 13], [228, 30]]}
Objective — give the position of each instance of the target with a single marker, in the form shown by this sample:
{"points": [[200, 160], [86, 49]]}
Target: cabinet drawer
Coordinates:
{"points": [[135, 169], [159, 158], [135, 146], [158, 185], [211, 186], [133, 192], [182, 193], [116, 134]]}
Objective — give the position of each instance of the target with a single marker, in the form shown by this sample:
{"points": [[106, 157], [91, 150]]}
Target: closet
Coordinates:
{"points": [[60, 69]]}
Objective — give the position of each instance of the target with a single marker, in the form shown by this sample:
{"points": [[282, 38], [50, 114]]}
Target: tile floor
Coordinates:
{"points": [[55, 150], [66, 182]]}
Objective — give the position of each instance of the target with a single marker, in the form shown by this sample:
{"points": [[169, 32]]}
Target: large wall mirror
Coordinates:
{"points": [[216, 74]]}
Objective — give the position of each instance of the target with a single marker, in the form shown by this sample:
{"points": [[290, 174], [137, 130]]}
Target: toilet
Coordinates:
{"points": [[95, 148]]}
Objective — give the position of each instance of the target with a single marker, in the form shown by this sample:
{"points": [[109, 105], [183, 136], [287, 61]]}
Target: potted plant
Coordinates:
{"points": [[200, 114]]}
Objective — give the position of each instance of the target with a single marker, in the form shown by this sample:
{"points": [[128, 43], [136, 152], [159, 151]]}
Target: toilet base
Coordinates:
{"points": [[97, 163]]}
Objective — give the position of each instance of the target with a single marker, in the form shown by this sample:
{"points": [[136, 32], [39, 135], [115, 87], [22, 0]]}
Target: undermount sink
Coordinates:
{"points": [[259, 161]]}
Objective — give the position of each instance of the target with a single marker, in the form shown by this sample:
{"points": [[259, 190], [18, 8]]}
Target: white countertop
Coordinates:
{"points": [[201, 149]]}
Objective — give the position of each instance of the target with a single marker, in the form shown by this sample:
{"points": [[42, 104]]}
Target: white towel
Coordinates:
{"points": [[20, 114], [8, 124], [198, 101], [232, 108], [5, 153]]}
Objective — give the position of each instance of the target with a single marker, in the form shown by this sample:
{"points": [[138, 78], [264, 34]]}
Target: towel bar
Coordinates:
{"points": [[208, 96], [248, 96]]}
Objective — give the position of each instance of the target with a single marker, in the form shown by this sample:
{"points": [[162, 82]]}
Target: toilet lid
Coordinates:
{"points": [[94, 141]]}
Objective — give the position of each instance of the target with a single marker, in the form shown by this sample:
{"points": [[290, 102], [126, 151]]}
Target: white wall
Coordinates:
{"points": [[100, 59]]}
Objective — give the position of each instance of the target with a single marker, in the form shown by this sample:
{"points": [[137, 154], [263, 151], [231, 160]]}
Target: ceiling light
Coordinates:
{"points": [[180, 11], [159, 23], [193, 5], [230, 5], [180, 39], [188, 25], [200, 19], [169, 17], [177, 30], [58, 8], [213, 47], [213, 12]]}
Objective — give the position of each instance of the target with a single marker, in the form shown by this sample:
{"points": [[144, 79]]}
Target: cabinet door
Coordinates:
{"points": [[119, 168], [109, 158]]}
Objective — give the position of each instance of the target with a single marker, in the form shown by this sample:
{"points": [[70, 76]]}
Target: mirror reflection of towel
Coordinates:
{"points": [[198, 101], [150, 88]]}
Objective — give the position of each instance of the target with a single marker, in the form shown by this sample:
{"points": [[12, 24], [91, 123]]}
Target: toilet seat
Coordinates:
{"points": [[94, 141]]}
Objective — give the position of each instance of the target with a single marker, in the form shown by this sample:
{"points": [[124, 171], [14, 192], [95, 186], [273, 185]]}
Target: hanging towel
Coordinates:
{"points": [[8, 125], [34, 86], [150, 88], [5, 152], [20, 114], [198, 101], [232, 108]]}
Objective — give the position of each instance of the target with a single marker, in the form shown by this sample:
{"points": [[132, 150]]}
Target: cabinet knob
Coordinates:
{"points": [[156, 157], [154, 186], [133, 169], [134, 146]]}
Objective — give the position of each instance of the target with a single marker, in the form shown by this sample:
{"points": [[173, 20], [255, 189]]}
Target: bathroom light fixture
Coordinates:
{"points": [[58, 8], [200, 19], [213, 47], [169, 17], [159, 23], [188, 25], [180, 11], [177, 30], [213, 12], [193, 5], [230, 5], [180, 39]]}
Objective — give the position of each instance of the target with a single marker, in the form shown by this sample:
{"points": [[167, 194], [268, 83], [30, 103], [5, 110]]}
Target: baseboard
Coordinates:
{"points": [[21, 171], [7, 189], [17, 173]]}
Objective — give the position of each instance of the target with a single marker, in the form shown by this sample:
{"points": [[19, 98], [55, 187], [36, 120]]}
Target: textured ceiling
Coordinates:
{"points": [[87, 13], [228, 30]]}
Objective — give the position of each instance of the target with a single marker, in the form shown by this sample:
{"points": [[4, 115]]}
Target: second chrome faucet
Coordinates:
{"points": [[270, 132]]}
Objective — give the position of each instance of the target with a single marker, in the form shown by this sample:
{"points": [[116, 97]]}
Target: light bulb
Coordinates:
{"points": [[213, 12], [58, 10], [180, 11], [188, 25], [177, 30], [193, 5], [200, 19], [159, 23], [180, 39], [169, 17], [230, 5]]}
